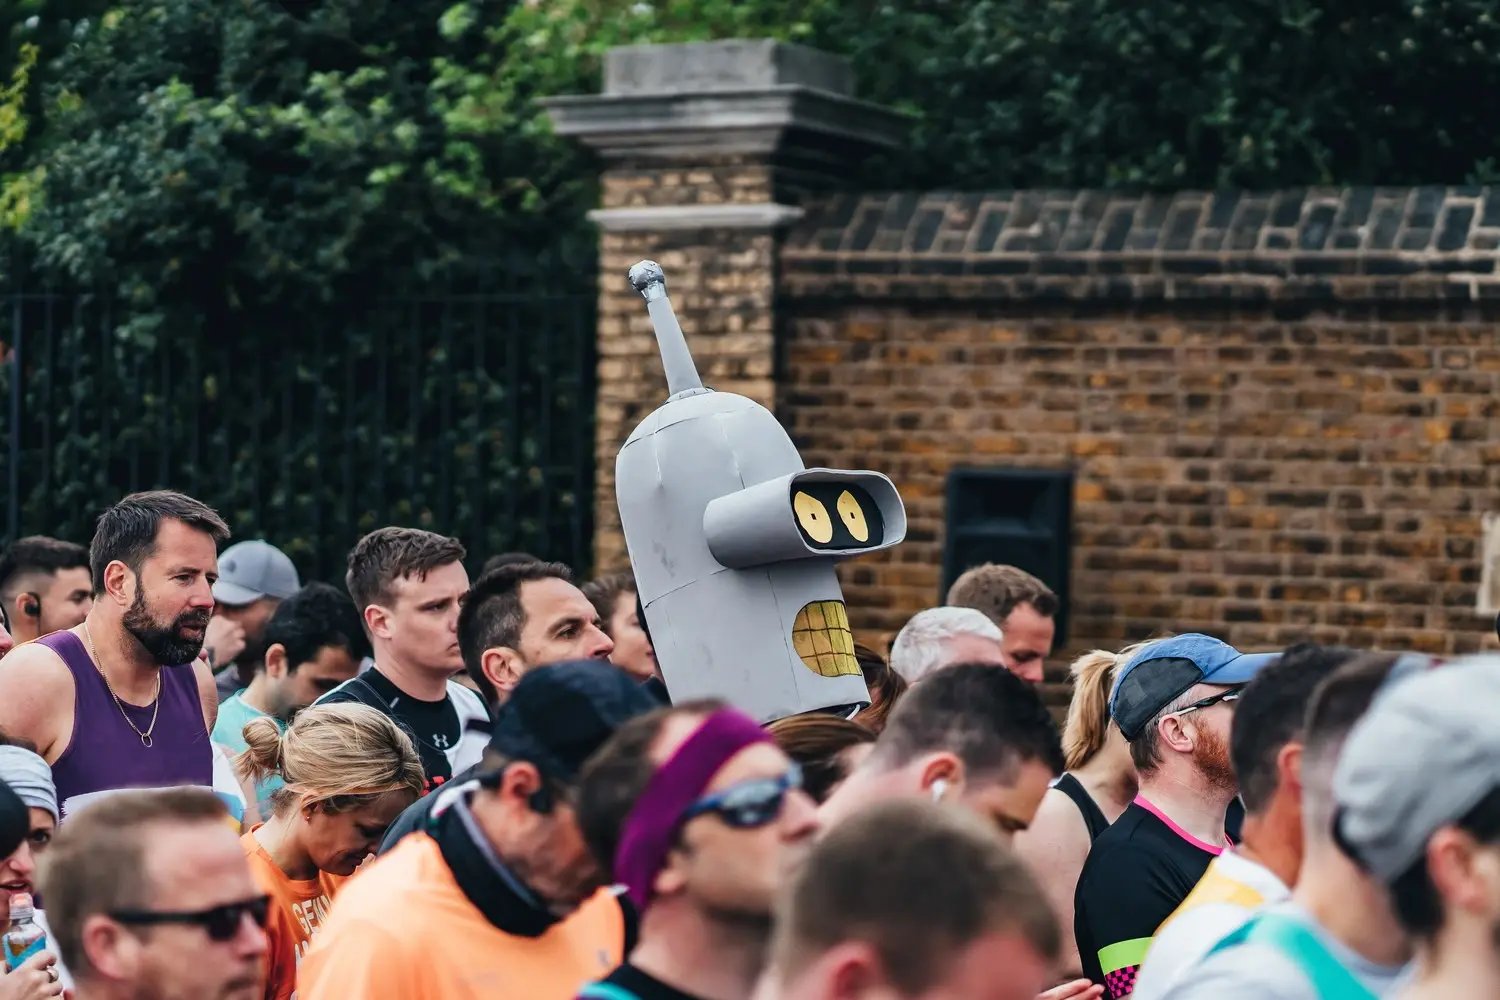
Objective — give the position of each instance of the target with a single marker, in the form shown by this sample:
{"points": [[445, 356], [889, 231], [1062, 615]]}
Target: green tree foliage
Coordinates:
{"points": [[330, 293], [16, 190], [33, 33], [375, 140], [1109, 93], [314, 156], [247, 186], [1179, 93], [372, 141]]}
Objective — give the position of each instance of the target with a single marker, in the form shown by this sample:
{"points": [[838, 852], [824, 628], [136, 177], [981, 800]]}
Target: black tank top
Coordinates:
{"points": [[1093, 816]]}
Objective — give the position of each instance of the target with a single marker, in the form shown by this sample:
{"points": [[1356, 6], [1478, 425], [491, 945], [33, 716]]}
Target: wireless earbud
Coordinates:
{"points": [[939, 789], [32, 608]]}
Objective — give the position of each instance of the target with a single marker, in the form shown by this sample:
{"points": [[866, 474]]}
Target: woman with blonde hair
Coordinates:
{"points": [[349, 772], [1098, 784]]}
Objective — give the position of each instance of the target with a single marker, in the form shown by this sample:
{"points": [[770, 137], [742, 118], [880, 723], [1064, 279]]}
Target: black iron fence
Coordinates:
{"points": [[470, 414]]}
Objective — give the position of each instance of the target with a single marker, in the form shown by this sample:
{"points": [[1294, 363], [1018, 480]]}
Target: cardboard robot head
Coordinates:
{"points": [[733, 542]]}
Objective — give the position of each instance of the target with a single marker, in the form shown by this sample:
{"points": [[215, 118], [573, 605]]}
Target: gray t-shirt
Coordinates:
{"points": [[1261, 972]]}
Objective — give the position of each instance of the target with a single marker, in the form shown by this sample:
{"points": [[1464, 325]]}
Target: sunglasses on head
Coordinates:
{"points": [[1225, 697], [749, 804], [221, 923]]}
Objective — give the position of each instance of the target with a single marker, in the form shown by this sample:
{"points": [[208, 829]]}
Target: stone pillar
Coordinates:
{"points": [[706, 151]]}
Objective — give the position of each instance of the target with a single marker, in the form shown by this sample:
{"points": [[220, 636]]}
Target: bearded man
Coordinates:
{"points": [[122, 700], [1174, 702]]}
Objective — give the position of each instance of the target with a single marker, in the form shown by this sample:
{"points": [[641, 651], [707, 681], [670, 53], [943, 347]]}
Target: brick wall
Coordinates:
{"points": [[1279, 407]]}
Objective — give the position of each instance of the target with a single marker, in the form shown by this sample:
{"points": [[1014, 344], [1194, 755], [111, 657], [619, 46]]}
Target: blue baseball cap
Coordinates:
{"points": [[1161, 671]]}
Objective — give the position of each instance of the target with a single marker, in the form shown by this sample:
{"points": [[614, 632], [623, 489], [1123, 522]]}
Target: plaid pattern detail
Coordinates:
{"points": [[1120, 983]]}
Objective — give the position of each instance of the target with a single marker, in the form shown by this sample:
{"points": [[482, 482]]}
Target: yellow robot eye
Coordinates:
{"points": [[813, 517], [853, 516]]}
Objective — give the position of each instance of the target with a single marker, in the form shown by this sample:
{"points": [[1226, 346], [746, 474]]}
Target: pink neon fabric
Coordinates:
{"points": [[1140, 800]]}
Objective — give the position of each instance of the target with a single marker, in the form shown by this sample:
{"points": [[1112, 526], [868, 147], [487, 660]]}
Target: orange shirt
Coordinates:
{"points": [[298, 909], [404, 930]]}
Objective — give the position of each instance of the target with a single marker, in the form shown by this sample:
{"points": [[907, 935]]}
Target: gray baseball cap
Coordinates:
{"points": [[249, 571], [1426, 753]]}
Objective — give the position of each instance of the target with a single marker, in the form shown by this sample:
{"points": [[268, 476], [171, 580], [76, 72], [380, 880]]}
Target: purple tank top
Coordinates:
{"points": [[105, 755]]}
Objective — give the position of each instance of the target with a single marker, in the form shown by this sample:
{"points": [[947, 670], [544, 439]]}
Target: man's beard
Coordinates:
{"points": [[163, 642], [1212, 758]]}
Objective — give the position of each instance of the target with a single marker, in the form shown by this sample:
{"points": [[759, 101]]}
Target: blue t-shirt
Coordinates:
{"points": [[229, 732]]}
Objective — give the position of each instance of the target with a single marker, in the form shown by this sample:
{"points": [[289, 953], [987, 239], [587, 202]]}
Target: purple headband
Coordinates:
{"points": [[656, 816]]}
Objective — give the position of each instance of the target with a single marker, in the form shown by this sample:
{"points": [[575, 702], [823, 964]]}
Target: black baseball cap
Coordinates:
{"points": [[560, 714]]}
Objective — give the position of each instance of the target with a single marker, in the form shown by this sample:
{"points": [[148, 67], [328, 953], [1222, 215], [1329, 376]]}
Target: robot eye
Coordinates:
{"points": [[812, 517], [853, 516]]}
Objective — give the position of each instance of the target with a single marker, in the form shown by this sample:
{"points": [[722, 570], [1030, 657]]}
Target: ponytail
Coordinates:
{"points": [[341, 756], [1087, 723], [263, 756]]}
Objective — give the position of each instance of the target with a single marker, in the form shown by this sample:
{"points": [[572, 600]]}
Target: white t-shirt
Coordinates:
{"points": [[1231, 890], [1264, 972]]}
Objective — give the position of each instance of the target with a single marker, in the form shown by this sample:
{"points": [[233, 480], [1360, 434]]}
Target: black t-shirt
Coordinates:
{"points": [[1137, 873], [433, 725], [629, 982]]}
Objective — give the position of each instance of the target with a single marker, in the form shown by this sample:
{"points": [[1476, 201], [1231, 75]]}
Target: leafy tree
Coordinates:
{"points": [[286, 216], [1179, 93], [32, 34], [16, 190], [255, 192], [1104, 93]]}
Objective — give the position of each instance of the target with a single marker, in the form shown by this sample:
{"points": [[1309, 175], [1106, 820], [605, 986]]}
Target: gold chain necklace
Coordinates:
{"points": [[155, 701]]}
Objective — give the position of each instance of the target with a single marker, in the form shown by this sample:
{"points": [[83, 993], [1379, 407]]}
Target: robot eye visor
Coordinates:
{"points": [[828, 513]]}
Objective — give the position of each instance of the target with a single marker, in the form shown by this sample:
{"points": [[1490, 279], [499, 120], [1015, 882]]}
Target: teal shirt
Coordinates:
{"points": [[229, 732]]}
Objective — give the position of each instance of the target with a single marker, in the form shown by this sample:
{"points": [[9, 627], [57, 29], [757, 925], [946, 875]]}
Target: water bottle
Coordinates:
{"points": [[24, 937]]}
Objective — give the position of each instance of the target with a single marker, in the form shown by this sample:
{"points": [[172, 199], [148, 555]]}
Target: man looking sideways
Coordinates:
{"points": [[695, 810], [1173, 701], [409, 586], [122, 701], [45, 586]]}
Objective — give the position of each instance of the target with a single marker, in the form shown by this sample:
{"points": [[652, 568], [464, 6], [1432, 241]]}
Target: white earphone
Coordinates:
{"points": [[939, 789]]}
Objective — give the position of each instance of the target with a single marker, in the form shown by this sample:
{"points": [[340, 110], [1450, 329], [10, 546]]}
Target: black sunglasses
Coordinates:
{"points": [[1227, 697], [221, 923], [750, 803]]}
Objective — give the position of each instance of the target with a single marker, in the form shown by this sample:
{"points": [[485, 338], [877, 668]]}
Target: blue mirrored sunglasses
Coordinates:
{"points": [[748, 804]]}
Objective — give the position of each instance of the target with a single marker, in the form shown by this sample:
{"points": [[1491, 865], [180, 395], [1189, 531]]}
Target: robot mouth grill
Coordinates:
{"points": [[823, 640]]}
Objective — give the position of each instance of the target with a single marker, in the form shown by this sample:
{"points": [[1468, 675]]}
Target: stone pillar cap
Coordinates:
{"points": [[731, 65], [757, 97]]}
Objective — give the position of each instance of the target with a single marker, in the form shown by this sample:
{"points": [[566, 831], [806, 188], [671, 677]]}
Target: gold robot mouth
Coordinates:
{"points": [[823, 640]]}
